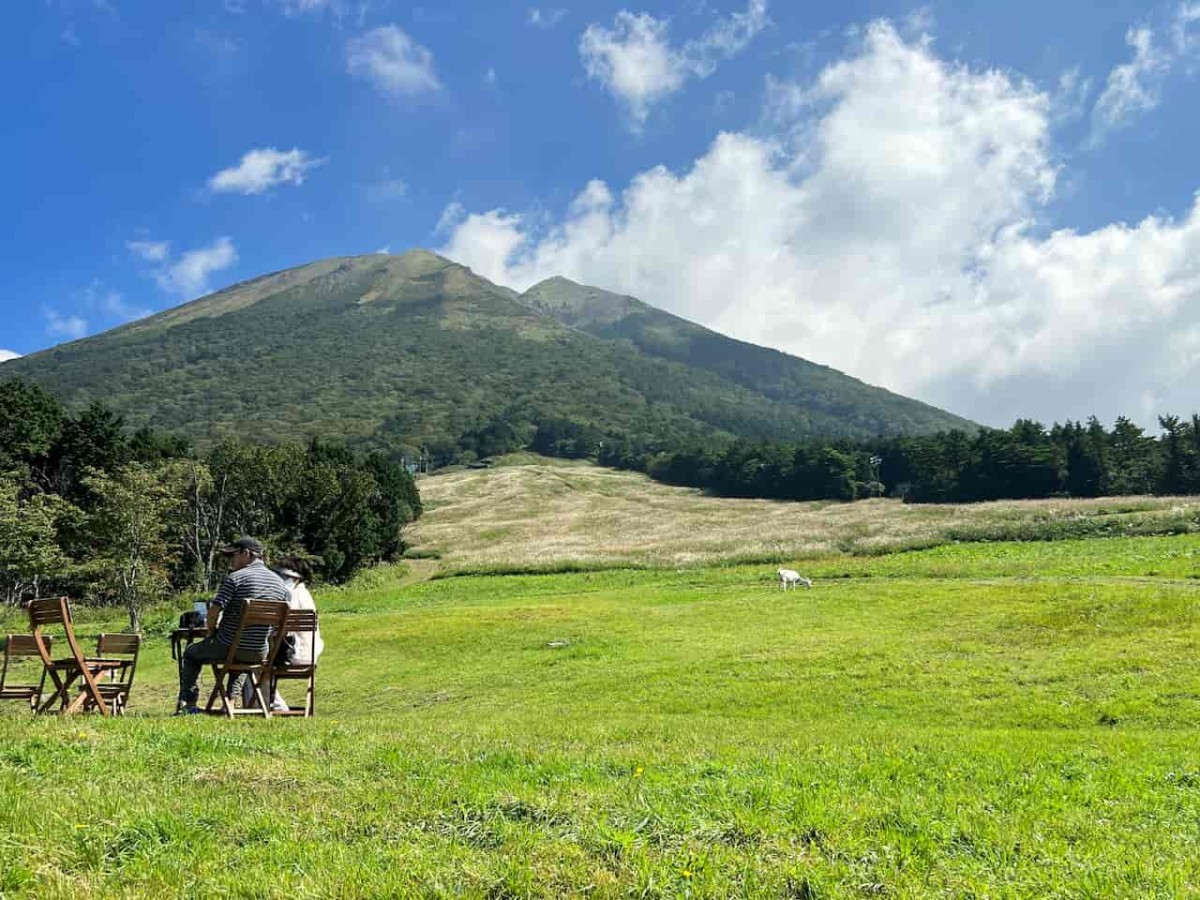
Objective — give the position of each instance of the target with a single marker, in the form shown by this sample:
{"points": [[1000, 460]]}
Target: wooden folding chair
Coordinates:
{"points": [[65, 672], [15, 647], [300, 621], [270, 613], [122, 649]]}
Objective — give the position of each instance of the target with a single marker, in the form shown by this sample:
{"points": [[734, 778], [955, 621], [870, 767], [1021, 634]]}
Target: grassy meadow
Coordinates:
{"points": [[995, 719]]}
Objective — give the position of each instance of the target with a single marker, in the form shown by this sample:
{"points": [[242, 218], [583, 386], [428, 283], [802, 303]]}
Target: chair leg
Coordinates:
{"points": [[256, 682], [218, 690], [60, 692]]}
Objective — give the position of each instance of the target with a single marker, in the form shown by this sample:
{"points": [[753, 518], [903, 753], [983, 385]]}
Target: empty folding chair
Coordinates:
{"points": [[66, 671], [118, 682], [22, 662], [256, 613]]}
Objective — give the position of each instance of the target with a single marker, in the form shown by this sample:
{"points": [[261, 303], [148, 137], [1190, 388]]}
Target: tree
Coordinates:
{"points": [[92, 441], [1134, 460], [30, 422], [1177, 456], [203, 522], [29, 551], [131, 524]]}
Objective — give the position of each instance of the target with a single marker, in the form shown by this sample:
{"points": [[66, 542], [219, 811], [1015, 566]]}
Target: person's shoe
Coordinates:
{"points": [[189, 711]]}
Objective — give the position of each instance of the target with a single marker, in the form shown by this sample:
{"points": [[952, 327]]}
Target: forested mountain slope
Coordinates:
{"points": [[402, 350]]}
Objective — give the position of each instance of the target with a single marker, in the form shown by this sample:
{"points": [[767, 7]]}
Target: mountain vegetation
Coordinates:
{"points": [[397, 353]]}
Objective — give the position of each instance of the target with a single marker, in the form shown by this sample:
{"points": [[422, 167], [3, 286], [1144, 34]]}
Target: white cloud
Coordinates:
{"points": [[1185, 36], [309, 7], [6, 355], [393, 61], [112, 303], [388, 189], [150, 251], [545, 18], [59, 325], [891, 228], [264, 168], [1069, 101], [1133, 88], [636, 62], [451, 217], [188, 275]]}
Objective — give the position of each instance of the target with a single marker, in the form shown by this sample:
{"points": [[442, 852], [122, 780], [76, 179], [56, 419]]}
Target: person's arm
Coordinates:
{"points": [[217, 604]]}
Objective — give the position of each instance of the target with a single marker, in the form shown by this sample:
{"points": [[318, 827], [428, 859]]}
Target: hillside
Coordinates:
{"points": [[398, 351], [831, 398], [531, 513]]}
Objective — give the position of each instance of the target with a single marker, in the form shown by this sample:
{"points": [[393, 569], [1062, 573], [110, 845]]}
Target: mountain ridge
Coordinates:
{"points": [[401, 350]]}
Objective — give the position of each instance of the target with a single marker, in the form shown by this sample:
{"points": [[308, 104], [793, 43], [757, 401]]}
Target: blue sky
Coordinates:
{"points": [[988, 206]]}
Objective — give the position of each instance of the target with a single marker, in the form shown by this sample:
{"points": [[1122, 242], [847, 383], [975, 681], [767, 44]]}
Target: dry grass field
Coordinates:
{"points": [[532, 513]]}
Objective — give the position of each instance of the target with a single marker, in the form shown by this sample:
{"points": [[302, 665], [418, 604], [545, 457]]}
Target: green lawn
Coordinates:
{"points": [[985, 720]]}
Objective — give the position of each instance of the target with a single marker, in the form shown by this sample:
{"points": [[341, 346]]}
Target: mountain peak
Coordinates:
{"points": [[578, 305], [419, 257]]}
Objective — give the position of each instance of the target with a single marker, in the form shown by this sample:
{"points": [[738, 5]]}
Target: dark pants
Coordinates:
{"points": [[200, 654]]}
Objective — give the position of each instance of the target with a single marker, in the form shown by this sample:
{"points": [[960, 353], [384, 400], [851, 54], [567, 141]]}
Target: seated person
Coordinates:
{"points": [[307, 646], [248, 579]]}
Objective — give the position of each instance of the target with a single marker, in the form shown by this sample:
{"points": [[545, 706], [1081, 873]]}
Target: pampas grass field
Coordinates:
{"points": [[543, 513]]}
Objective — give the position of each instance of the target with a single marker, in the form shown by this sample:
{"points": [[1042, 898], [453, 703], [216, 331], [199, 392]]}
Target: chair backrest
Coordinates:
{"points": [[118, 644], [272, 613], [110, 645], [48, 611], [300, 621], [52, 611], [22, 645], [19, 645]]}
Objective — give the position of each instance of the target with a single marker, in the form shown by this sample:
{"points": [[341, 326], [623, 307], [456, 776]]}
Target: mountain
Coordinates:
{"points": [[389, 351], [834, 402]]}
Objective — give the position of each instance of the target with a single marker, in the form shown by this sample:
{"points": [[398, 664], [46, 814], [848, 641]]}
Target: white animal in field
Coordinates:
{"points": [[793, 578]]}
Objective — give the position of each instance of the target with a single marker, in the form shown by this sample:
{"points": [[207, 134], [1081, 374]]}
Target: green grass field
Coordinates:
{"points": [[973, 720]]}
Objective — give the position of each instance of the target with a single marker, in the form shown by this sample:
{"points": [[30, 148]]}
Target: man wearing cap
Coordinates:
{"points": [[248, 579]]}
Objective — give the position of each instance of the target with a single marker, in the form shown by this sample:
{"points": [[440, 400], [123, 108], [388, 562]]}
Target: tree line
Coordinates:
{"points": [[112, 517], [1026, 461]]}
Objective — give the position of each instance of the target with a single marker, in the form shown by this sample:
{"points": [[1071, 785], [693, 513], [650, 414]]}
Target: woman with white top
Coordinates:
{"points": [[308, 645]]}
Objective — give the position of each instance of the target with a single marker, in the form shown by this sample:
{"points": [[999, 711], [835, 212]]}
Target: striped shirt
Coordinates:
{"points": [[252, 582]]}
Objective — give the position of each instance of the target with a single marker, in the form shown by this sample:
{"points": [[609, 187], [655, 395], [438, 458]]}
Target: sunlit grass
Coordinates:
{"points": [[1000, 720]]}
